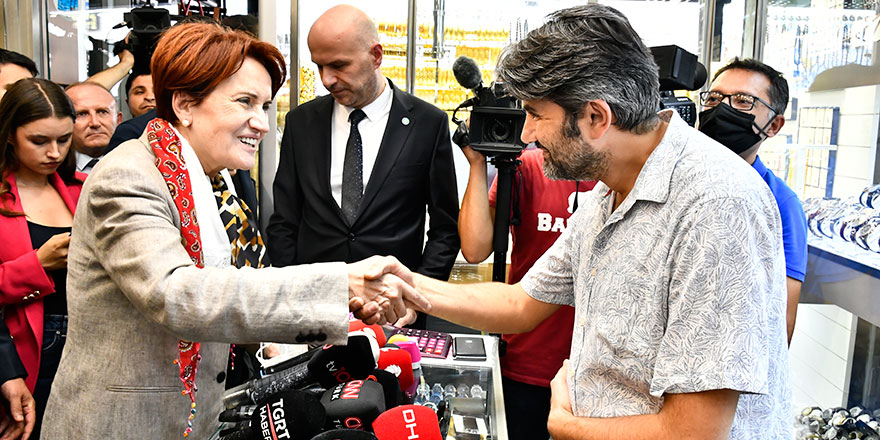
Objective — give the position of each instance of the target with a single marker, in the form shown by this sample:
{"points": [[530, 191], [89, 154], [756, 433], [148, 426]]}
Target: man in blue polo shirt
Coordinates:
{"points": [[743, 107]]}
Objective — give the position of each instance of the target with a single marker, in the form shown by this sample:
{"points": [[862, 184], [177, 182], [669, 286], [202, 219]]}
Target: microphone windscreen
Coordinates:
{"points": [[238, 414], [374, 343], [407, 421], [700, 76], [345, 434], [467, 73], [374, 330], [397, 338], [274, 384], [292, 414], [413, 349], [390, 385], [399, 363], [353, 405], [336, 364]]}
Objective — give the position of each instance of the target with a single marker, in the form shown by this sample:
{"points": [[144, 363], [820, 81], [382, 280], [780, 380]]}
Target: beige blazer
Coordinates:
{"points": [[132, 292]]}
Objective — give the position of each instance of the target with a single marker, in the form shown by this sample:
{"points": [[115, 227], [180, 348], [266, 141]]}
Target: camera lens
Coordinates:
{"points": [[499, 131]]}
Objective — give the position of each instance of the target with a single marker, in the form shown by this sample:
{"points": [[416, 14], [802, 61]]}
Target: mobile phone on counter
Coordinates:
{"points": [[468, 348]]}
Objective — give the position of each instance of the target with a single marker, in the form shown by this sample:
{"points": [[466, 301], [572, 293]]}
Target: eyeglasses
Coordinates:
{"points": [[739, 101]]}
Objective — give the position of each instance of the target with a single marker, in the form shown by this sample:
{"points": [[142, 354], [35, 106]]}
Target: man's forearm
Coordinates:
{"points": [[112, 75], [491, 307], [705, 415], [793, 288], [475, 220], [569, 427]]}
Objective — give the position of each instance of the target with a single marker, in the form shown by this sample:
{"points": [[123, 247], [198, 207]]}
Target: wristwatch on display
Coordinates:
{"points": [[868, 235], [870, 196], [849, 224], [837, 424], [826, 222]]}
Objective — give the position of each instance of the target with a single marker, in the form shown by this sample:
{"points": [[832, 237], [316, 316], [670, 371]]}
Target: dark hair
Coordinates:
{"points": [[581, 54], [10, 57], [131, 77], [28, 100], [778, 90], [246, 23], [179, 62]]}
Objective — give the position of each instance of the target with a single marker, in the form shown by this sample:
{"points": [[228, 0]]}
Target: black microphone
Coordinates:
{"points": [[390, 385], [353, 405], [332, 365], [345, 434], [239, 414], [290, 415], [288, 363], [467, 73], [700, 76]]}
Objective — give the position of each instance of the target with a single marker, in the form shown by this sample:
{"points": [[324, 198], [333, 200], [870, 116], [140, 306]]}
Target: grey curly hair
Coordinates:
{"points": [[581, 54]]}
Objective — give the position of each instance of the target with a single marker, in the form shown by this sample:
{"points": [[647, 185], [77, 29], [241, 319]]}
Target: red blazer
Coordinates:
{"points": [[23, 282]]}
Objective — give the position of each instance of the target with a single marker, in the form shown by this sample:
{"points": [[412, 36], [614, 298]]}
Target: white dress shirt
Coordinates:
{"points": [[372, 129], [82, 162], [216, 248]]}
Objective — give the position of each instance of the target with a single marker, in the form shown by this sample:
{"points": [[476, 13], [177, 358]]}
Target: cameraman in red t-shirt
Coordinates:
{"points": [[532, 358]]}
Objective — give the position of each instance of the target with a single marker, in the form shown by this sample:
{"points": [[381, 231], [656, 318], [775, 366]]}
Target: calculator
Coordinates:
{"points": [[431, 344]]}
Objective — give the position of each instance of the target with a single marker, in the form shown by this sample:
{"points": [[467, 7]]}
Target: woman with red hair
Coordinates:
{"points": [[168, 264]]}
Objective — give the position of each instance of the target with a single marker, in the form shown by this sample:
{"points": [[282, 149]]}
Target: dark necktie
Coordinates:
{"points": [[241, 226], [91, 163], [353, 169]]}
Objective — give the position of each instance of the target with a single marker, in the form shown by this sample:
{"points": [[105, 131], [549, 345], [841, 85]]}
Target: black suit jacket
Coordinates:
{"points": [[10, 364], [133, 128], [413, 170]]}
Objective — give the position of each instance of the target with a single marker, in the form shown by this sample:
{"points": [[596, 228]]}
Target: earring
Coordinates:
{"points": [[185, 122]]}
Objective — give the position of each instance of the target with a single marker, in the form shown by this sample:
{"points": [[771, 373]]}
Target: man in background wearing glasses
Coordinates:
{"points": [[743, 107]]}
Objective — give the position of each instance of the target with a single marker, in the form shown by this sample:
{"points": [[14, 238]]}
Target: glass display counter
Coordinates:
{"points": [[473, 388], [834, 351]]}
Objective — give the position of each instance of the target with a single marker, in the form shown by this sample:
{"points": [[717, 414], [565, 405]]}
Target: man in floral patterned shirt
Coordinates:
{"points": [[674, 264]]}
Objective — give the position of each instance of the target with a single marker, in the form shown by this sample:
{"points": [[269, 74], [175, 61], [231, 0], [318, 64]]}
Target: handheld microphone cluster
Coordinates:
{"points": [[364, 388], [332, 365]]}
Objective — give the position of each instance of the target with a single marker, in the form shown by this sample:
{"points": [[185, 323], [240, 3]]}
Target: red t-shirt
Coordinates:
{"points": [[545, 205]]}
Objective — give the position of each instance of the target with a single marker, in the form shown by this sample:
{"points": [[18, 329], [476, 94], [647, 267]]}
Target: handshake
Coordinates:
{"points": [[380, 290]]}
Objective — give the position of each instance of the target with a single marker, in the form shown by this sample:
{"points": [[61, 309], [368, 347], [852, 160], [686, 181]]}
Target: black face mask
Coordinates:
{"points": [[730, 127]]}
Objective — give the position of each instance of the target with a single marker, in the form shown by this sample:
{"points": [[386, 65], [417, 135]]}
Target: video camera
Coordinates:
{"points": [[146, 24], [679, 70], [497, 118]]}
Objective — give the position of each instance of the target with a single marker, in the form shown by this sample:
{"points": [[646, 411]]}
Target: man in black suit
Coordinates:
{"points": [[358, 167]]}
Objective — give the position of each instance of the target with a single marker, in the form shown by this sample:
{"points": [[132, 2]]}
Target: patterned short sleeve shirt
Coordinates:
{"points": [[681, 289]]}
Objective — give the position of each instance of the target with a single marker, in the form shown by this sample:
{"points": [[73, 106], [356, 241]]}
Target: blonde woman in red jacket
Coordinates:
{"points": [[38, 194]]}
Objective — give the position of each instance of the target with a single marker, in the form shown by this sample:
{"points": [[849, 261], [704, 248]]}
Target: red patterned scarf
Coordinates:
{"points": [[169, 161]]}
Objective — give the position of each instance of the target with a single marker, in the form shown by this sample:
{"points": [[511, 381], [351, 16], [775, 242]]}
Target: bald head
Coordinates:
{"points": [[345, 46], [344, 24]]}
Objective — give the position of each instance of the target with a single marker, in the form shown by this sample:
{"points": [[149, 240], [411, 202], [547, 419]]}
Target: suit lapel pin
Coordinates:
{"points": [[404, 121]]}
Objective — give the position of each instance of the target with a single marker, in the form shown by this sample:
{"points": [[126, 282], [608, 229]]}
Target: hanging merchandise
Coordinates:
{"points": [[808, 41]]}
